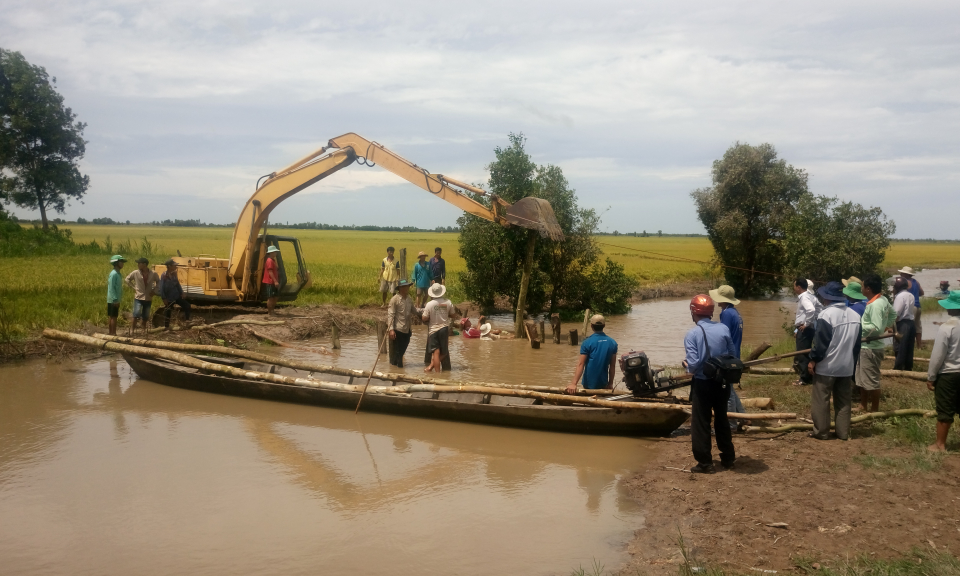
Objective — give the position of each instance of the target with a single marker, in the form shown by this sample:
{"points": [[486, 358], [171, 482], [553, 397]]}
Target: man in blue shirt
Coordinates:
{"points": [[726, 297], [597, 355], [422, 277], [708, 397]]}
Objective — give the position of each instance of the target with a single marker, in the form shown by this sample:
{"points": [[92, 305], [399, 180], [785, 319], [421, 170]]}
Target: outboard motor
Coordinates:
{"points": [[640, 378]]}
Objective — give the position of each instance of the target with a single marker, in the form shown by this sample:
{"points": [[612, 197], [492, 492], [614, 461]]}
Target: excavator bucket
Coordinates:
{"points": [[535, 214]]}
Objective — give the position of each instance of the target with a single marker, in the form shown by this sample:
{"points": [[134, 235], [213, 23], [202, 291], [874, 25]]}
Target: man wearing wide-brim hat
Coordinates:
{"points": [[114, 291], [437, 316], [943, 374], [914, 287], [726, 297], [836, 346]]}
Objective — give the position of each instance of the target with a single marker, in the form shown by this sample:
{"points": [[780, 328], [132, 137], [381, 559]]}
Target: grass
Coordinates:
{"points": [[65, 292]]}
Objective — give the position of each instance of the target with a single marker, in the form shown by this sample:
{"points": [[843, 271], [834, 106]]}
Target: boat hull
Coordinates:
{"points": [[447, 406]]}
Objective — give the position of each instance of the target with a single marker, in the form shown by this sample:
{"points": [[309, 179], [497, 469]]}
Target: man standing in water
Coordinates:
{"points": [[708, 396], [114, 289], [144, 282], [437, 314], [725, 296], [807, 309], [597, 364], [399, 313], [943, 375]]}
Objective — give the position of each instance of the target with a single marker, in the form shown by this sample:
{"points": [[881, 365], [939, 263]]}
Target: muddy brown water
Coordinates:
{"points": [[104, 473]]}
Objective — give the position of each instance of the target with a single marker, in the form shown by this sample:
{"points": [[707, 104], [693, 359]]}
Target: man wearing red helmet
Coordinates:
{"points": [[708, 397]]}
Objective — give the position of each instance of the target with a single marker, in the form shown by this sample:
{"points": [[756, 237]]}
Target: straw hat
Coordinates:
{"points": [[906, 270], [422, 253], [437, 291], [852, 279], [485, 329], [725, 294]]}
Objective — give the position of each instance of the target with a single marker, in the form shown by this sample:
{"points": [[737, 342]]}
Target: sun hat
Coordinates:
{"points": [[951, 302], [437, 291], [810, 287], [422, 253], [598, 319], [117, 258], [272, 249], [725, 294], [832, 291], [907, 270], [485, 329], [847, 281], [854, 290]]}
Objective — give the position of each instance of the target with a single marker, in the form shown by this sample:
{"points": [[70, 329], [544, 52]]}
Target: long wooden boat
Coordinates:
{"points": [[462, 407]]}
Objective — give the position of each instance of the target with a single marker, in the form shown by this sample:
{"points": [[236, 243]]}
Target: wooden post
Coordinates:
{"points": [[531, 328], [574, 340], [555, 325], [586, 318], [543, 332], [758, 351], [381, 333], [524, 284], [403, 266], [335, 336]]}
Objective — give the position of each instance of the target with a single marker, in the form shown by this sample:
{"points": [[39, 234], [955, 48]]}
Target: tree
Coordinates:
{"points": [[829, 240], [745, 213], [40, 140]]}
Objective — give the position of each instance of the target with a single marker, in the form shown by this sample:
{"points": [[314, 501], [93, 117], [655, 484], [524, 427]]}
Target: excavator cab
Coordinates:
{"points": [[292, 270]]}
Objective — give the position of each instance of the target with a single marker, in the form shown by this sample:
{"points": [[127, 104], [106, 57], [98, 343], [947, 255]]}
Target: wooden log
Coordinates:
{"points": [[192, 362], [586, 319], [915, 359], [574, 340], [555, 326], [335, 336], [763, 347], [322, 368], [381, 333], [240, 322], [758, 403], [762, 415], [854, 420], [531, 329], [543, 332], [889, 373], [403, 266]]}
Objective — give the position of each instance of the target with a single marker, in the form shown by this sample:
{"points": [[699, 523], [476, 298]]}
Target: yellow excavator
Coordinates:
{"points": [[207, 279]]}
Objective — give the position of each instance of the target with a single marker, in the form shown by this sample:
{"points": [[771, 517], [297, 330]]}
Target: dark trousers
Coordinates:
{"points": [[184, 305], [398, 348], [709, 398], [908, 336], [800, 363]]}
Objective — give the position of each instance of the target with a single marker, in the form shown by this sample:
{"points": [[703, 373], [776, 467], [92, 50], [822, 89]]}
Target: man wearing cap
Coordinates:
{"points": [[144, 282], [725, 297], [807, 309], [172, 293], [422, 276], [270, 283], [836, 346], [708, 397], [853, 290], [907, 274], [399, 313], [943, 375], [437, 315], [906, 327], [114, 289], [878, 319], [597, 354], [389, 275]]}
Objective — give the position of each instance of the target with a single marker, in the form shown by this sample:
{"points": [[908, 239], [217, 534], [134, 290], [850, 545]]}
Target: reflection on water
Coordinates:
{"points": [[101, 473]]}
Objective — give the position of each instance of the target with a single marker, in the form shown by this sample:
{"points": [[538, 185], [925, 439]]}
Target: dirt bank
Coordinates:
{"points": [[678, 290], [838, 499]]}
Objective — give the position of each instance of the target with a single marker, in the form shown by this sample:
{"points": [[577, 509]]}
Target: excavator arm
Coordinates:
{"points": [[532, 213]]}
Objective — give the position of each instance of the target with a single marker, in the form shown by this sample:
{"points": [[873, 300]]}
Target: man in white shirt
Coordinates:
{"points": [[943, 375], [807, 309], [144, 282], [437, 315], [906, 327]]}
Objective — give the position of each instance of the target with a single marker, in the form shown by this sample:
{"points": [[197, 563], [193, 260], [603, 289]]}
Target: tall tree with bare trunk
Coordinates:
{"points": [[41, 141]]}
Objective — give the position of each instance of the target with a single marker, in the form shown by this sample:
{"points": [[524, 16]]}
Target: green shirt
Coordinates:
{"points": [[877, 317], [114, 286]]}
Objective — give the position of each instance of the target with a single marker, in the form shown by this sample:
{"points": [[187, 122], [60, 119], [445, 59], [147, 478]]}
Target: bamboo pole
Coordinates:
{"points": [[762, 415], [889, 373], [191, 362], [372, 370], [323, 368], [854, 420]]}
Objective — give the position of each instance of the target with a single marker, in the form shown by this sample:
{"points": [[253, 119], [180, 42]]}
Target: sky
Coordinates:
{"points": [[187, 104]]}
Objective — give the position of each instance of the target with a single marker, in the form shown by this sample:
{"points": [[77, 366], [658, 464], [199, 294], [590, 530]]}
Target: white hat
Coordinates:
{"points": [[272, 249], [437, 290], [810, 287], [485, 329], [906, 270], [597, 319]]}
